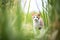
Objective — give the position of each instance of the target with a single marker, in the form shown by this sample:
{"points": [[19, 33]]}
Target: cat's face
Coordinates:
{"points": [[35, 17]]}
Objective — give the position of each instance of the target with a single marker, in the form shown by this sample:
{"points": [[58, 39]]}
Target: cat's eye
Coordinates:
{"points": [[37, 17], [34, 17]]}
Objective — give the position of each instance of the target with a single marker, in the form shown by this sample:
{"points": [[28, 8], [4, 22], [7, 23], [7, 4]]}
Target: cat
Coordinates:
{"points": [[37, 22]]}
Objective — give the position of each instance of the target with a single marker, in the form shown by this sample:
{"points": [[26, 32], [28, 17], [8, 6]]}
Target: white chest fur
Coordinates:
{"points": [[36, 23]]}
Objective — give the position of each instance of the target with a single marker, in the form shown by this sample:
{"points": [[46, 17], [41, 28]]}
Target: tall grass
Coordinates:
{"points": [[12, 17]]}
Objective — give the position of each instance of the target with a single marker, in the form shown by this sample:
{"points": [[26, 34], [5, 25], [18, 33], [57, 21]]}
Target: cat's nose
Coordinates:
{"points": [[35, 19]]}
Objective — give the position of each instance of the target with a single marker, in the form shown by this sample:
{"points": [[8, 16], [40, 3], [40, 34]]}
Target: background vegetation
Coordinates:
{"points": [[16, 25]]}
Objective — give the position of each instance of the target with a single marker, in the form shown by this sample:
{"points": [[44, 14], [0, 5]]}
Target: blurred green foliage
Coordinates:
{"points": [[16, 25]]}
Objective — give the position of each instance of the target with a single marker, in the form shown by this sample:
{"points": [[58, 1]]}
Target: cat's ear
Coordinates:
{"points": [[38, 14]]}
